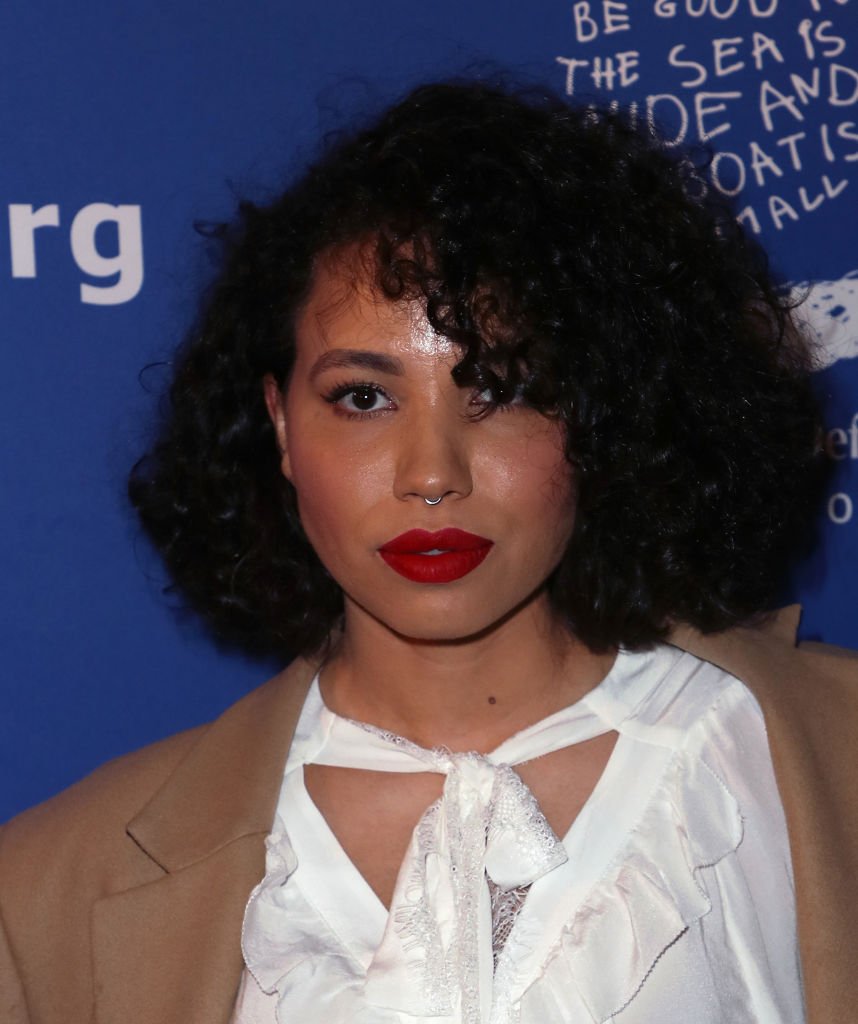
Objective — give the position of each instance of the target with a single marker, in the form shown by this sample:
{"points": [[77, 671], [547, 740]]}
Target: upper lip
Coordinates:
{"points": [[449, 539]]}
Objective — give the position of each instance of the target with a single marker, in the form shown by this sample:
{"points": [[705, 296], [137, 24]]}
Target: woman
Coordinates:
{"points": [[485, 409]]}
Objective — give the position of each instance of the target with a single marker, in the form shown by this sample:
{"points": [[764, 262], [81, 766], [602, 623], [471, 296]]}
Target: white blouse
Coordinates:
{"points": [[670, 898]]}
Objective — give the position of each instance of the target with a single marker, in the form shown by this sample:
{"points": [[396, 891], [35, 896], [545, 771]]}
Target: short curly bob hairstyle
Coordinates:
{"points": [[570, 255]]}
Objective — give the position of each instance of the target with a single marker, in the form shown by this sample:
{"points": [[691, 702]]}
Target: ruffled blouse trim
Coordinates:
{"points": [[290, 953], [650, 895]]}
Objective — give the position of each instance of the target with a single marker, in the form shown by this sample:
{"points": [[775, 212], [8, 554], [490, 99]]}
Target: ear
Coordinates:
{"points": [[275, 402]]}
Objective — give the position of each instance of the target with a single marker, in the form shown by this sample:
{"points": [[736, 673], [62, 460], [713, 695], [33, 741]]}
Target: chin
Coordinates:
{"points": [[436, 629], [444, 621], [443, 634]]}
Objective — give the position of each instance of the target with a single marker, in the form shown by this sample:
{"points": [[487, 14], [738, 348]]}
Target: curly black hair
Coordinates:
{"points": [[569, 254]]}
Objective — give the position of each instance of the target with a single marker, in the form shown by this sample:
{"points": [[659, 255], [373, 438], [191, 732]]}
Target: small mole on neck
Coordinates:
{"points": [[493, 700]]}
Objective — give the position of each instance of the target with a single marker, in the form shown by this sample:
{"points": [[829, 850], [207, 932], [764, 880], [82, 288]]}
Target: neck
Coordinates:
{"points": [[464, 694]]}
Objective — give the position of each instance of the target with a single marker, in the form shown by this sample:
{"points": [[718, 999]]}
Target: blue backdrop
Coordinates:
{"points": [[124, 124]]}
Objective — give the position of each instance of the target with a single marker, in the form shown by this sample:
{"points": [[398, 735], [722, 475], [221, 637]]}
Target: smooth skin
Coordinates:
{"points": [[370, 424]]}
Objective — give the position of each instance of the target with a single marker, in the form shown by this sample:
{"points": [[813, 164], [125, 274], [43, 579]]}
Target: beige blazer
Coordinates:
{"points": [[122, 899]]}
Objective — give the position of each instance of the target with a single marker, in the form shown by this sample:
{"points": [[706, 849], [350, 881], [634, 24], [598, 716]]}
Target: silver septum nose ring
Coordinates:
{"points": [[434, 501]]}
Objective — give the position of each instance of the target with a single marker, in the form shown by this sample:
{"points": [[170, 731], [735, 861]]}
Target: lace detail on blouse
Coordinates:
{"points": [[506, 906], [415, 921], [487, 829]]}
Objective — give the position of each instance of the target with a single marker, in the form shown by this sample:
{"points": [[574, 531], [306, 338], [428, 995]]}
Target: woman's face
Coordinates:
{"points": [[371, 424]]}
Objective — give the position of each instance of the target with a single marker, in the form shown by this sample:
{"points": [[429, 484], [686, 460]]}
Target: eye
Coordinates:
{"points": [[359, 399], [498, 396]]}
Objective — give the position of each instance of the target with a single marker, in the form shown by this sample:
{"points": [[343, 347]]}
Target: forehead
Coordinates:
{"points": [[346, 308]]}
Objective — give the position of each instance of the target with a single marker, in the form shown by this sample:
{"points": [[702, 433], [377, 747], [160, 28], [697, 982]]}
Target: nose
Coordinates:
{"points": [[433, 460]]}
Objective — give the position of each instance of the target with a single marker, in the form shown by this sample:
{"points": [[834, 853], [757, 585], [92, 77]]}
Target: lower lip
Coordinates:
{"points": [[443, 568]]}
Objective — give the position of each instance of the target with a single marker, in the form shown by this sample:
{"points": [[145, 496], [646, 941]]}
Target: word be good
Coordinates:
{"points": [[27, 226], [724, 9]]}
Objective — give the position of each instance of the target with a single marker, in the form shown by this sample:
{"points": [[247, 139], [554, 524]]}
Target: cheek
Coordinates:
{"points": [[534, 477], [336, 490], [319, 493], [553, 503]]}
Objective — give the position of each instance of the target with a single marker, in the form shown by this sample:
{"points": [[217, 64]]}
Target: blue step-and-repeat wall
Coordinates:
{"points": [[124, 124]]}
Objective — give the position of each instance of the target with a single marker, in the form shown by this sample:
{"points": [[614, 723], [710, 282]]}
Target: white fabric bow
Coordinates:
{"points": [[436, 956]]}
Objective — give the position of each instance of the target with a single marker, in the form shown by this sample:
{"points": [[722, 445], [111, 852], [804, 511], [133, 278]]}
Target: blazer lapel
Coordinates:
{"points": [[809, 698], [167, 950]]}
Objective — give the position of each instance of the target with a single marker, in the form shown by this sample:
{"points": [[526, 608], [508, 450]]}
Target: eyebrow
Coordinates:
{"points": [[363, 358]]}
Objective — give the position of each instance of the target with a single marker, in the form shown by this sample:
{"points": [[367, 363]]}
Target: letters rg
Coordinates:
{"points": [[126, 262]]}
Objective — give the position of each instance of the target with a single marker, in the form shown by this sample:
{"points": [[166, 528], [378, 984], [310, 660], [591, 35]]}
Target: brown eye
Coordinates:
{"points": [[499, 396], [504, 393], [364, 399], [358, 399]]}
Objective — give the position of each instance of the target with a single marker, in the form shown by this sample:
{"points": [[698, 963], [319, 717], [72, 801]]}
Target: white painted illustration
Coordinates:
{"points": [[830, 314]]}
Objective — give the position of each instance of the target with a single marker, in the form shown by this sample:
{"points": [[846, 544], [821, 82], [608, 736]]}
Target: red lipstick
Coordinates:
{"points": [[440, 556]]}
